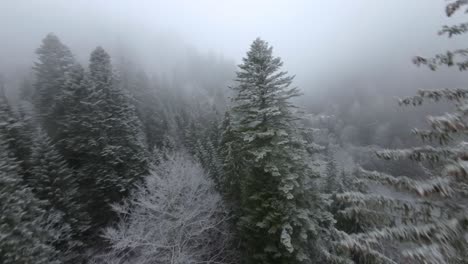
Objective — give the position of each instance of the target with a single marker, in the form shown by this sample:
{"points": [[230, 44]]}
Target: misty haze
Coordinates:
{"points": [[233, 132]]}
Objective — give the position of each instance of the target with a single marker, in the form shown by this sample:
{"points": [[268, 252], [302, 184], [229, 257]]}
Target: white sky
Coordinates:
{"points": [[312, 37]]}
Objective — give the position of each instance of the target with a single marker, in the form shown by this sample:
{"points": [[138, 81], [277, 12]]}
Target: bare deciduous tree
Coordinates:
{"points": [[176, 216]]}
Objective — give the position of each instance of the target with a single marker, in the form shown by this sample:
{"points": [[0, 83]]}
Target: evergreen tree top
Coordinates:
{"points": [[54, 53], [52, 41], [100, 66], [260, 51], [261, 63], [263, 90]]}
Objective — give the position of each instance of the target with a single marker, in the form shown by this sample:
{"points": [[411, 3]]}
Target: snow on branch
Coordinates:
{"points": [[430, 254], [423, 188], [442, 232], [443, 138], [437, 240], [443, 126], [408, 209], [175, 216], [454, 6], [364, 248], [452, 123], [456, 95], [425, 153], [335, 258], [459, 29]]}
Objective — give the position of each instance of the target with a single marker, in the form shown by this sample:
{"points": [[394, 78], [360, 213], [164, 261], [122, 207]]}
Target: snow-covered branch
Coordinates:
{"points": [[175, 216], [435, 185]]}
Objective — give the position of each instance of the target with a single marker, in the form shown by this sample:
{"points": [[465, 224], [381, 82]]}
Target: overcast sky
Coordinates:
{"points": [[316, 39]]}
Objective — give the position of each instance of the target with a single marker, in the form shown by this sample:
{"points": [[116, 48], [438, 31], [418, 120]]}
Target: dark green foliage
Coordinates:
{"points": [[333, 181], [92, 152], [147, 103], [26, 234], [76, 134], [351, 219], [16, 134], [55, 60], [231, 164], [56, 184], [203, 143], [281, 210], [117, 155], [90, 119], [198, 132], [207, 155]]}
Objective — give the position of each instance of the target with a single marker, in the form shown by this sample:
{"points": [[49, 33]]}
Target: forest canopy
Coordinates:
{"points": [[151, 150]]}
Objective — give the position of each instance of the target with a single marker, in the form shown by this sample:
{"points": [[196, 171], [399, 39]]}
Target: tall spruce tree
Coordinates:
{"points": [[146, 102], [26, 236], [55, 60], [57, 185], [16, 134], [281, 211], [44, 227], [75, 133], [118, 155]]}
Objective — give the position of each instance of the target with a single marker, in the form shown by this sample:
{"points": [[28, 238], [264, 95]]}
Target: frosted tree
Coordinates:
{"points": [[230, 180], [16, 135], [427, 219], [62, 98], [175, 216], [454, 57], [55, 60], [198, 131], [282, 217], [117, 157], [147, 102], [26, 231], [53, 182], [333, 181], [207, 155], [349, 218], [75, 132]]}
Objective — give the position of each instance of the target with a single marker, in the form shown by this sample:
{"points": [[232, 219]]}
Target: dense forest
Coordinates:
{"points": [[103, 160]]}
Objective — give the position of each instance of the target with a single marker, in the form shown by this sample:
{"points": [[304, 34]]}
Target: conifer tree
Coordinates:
{"points": [[26, 235], [333, 182], [146, 102], [281, 210], [55, 60], [16, 134], [67, 100], [432, 226], [53, 182], [75, 133], [231, 169], [207, 155], [118, 156]]}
